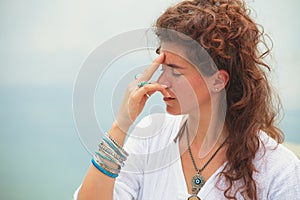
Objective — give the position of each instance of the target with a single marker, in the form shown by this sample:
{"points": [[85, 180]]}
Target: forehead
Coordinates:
{"points": [[175, 54], [173, 48], [198, 59]]}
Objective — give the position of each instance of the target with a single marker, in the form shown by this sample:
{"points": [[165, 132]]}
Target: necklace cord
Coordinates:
{"points": [[190, 152]]}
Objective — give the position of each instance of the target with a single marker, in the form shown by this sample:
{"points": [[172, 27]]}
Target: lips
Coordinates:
{"points": [[169, 98]]}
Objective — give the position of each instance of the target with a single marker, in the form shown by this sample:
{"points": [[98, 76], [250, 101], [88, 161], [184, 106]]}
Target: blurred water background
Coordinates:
{"points": [[42, 46]]}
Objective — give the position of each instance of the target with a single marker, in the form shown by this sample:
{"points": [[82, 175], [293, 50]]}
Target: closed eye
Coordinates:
{"points": [[176, 74], [171, 69]]}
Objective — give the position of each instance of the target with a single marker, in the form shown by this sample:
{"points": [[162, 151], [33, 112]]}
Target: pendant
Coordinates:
{"points": [[197, 183], [194, 198]]}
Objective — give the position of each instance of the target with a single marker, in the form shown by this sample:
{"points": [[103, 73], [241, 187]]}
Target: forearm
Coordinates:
{"points": [[97, 185]]}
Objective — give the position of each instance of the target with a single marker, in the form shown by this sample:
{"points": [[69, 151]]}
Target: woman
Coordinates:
{"points": [[221, 121]]}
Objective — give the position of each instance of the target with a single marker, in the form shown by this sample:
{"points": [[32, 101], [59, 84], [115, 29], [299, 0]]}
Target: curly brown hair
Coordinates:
{"points": [[232, 39]]}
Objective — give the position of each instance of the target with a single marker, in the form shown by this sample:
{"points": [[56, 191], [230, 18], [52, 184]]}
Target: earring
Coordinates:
{"points": [[216, 89]]}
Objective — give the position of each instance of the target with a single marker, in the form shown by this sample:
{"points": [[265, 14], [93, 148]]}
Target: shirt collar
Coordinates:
{"points": [[181, 129]]}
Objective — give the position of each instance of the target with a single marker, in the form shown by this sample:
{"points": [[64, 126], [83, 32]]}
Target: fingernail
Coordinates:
{"points": [[165, 86]]}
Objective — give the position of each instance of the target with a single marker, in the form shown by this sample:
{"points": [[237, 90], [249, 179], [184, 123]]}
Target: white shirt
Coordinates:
{"points": [[153, 169]]}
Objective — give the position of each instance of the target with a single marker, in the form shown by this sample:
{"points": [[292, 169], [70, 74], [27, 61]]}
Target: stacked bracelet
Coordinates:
{"points": [[123, 152], [103, 170], [110, 157], [109, 151]]}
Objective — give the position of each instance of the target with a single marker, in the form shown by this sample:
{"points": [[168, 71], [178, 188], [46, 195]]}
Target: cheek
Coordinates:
{"points": [[185, 91], [193, 91]]}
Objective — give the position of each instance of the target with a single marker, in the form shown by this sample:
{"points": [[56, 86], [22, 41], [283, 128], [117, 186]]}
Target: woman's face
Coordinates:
{"points": [[187, 87]]}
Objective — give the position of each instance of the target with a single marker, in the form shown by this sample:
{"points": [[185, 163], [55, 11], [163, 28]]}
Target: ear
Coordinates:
{"points": [[219, 80]]}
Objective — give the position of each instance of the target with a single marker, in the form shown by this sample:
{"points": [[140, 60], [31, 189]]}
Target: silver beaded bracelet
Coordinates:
{"points": [[110, 157]]}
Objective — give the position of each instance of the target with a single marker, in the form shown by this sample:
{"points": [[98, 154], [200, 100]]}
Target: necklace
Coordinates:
{"points": [[198, 181]]}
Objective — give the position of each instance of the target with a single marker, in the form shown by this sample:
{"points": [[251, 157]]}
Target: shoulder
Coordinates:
{"points": [[157, 128], [154, 125], [150, 141], [275, 165], [272, 152], [158, 120]]}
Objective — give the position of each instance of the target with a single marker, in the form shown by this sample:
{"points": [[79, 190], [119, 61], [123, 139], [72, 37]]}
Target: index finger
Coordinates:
{"points": [[149, 71]]}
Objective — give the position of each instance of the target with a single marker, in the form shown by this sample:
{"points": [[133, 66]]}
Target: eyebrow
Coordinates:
{"points": [[173, 66]]}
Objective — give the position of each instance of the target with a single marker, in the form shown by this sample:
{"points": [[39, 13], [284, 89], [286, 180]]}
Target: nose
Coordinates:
{"points": [[164, 79]]}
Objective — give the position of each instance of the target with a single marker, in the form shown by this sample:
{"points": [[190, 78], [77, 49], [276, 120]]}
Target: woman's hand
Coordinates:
{"points": [[136, 97]]}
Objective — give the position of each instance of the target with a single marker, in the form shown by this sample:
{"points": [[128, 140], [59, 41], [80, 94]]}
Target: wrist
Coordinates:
{"points": [[118, 133]]}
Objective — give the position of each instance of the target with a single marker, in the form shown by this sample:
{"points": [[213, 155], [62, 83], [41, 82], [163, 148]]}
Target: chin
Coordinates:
{"points": [[176, 111], [173, 111]]}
